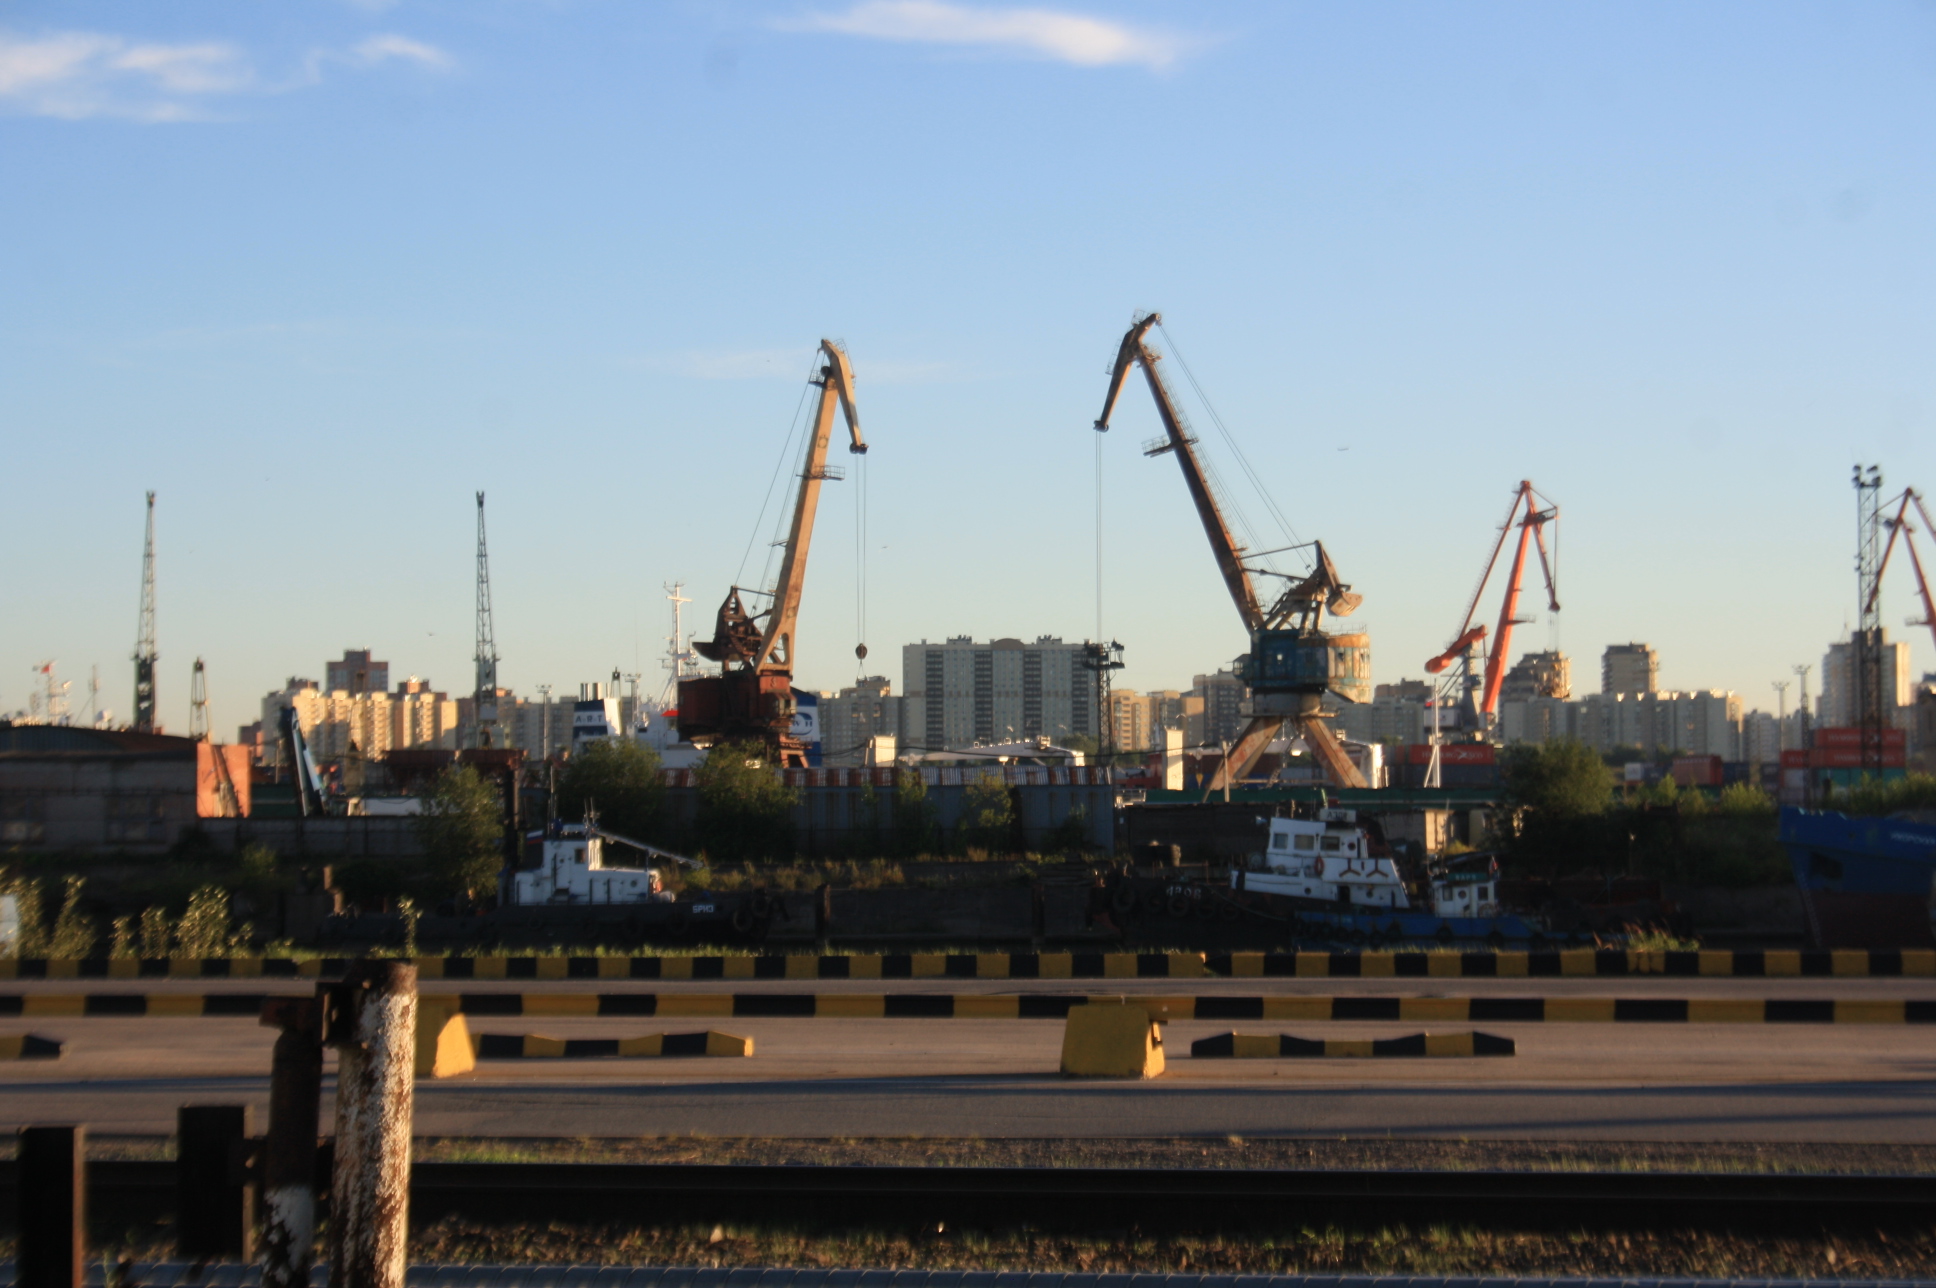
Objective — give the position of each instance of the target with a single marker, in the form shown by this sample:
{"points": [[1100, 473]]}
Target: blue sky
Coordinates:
{"points": [[318, 272]]}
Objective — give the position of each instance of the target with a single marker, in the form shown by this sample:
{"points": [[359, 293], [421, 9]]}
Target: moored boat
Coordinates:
{"points": [[1866, 881]]}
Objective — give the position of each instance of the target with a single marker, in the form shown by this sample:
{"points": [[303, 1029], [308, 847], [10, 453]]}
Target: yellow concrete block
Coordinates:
{"points": [[1377, 965], [1919, 961], [1314, 965], [430, 968], [1056, 966], [1646, 961], [63, 968], [184, 968], [35, 1004], [842, 1006], [1717, 962], [1721, 1010], [9, 968], [1579, 1010], [1782, 961], [675, 968], [554, 968], [1109, 1039], [1164, 1009], [124, 968], [1577, 961], [1188, 966], [727, 1044], [802, 967], [310, 967], [175, 1004], [866, 966], [1297, 1008], [615, 968], [1254, 1046], [1433, 1008], [641, 1046], [1350, 1047], [980, 1006], [542, 1047], [487, 968], [1849, 962], [928, 965], [245, 968], [444, 1047], [736, 968], [1512, 965], [1246, 965], [1451, 1044], [1119, 966], [1444, 965], [1869, 1011], [991, 965], [695, 1004], [562, 1004]]}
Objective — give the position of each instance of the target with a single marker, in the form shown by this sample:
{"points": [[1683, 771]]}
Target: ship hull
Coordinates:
{"points": [[1864, 882]]}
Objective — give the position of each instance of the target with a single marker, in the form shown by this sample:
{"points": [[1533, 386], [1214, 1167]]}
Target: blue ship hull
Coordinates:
{"points": [[1865, 882]]}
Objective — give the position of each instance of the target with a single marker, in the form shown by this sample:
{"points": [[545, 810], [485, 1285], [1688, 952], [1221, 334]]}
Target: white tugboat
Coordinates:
{"points": [[573, 869], [1328, 860]]}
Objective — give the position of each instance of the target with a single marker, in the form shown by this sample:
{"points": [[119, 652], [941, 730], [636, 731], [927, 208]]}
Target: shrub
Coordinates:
{"points": [[74, 932], [987, 814], [745, 807]]}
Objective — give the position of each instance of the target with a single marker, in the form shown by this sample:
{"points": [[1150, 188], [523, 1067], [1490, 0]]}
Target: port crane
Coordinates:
{"points": [[1291, 664], [1901, 527], [751, 699], [1530, 513]]}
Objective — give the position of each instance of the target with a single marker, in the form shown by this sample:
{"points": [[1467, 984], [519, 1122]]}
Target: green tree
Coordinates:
{"points": [[745, 807], [987, 814], [917, 824], [1745, 800], [462, 831], [619, 777], [1559, 779]]}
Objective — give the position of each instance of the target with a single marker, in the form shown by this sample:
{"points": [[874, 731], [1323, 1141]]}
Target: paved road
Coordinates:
{"points": [[995, 1078]]}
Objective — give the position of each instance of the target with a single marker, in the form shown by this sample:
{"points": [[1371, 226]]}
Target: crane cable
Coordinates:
{"points": [[793, 428], [860, 566]]}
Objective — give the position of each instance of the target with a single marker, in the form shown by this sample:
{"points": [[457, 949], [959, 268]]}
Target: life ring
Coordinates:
{"points": [[1496, 940], [742, 917], [678, 922], [1230, 911], [1123, 897], [1444, 935], [1154, 900], [1179, 905]]}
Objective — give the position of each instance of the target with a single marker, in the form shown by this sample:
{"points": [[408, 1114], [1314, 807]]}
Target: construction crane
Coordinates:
{"points": [[198, 703], [1525, 513], [1291, 664], [484, 693], [1901, 527], [752, 697], [144, 645]]}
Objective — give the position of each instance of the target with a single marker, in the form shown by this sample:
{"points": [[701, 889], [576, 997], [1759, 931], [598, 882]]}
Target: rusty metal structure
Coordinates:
{"points": [[145, 653], [1291, 664], [751, 700], [1527, 514]]}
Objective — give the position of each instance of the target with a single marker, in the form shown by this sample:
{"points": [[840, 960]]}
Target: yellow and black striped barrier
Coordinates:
{"points": [[882, 966], [29, 1046], [532, 1046], [1038, 1006], [1582, 962], [1278, 1046]]}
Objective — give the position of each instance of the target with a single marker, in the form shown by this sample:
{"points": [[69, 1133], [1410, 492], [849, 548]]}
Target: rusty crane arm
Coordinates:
{"points": [[836, 385], [1900, 526], [1532, 531], [1256, 738]]}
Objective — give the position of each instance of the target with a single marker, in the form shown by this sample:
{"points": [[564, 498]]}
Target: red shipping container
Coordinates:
{"points": [[1697, 771], [1796, 759], [1851, 758], [1842, 737], [1454, 753]]}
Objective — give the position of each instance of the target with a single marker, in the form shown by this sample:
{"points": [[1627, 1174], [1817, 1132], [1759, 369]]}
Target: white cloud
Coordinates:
{"points": [[78, 75], [1045, 33]]}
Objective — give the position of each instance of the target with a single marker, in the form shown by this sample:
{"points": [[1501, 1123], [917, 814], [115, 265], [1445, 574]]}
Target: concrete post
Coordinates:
{"points": [[53, 1207], [289, 1154], [371, 1020]]}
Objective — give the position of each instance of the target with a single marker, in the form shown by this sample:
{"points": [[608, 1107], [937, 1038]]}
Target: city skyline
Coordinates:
{"points": [[318, 274]]}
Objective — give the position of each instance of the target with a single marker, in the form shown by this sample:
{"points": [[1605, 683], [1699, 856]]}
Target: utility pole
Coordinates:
{"points": [[144, 643], [1866, 643], [198, 703], [544, 722], [1781, 714], [484, 696]]}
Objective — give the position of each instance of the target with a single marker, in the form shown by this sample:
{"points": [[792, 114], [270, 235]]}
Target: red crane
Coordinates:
{"points": [[1901, 527], [1532, 529]]}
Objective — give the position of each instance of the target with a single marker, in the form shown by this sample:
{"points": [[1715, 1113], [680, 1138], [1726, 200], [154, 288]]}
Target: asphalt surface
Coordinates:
{"points": [[996, 1078]]}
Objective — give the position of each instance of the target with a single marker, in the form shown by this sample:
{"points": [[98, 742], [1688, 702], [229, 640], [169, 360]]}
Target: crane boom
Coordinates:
{"points": [[1900, 526], [1532, 532]]}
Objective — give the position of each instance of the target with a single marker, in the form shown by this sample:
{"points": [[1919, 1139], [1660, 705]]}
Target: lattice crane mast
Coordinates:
{"points": [[1291, 664], [1526, 513], [752, 697]]}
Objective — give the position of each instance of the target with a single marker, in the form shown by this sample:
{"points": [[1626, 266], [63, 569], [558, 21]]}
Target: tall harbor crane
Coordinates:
{"points": [[1526, 513], [145, 655], [751, 699], [1291, 664], [1901, 527]]}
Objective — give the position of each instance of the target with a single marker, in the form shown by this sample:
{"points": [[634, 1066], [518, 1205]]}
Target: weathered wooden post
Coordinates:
{"points": [[371, 1020], [214, 1202], [289, 1153], [53, 1207]]}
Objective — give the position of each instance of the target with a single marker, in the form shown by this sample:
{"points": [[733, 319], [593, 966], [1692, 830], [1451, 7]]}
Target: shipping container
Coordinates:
{"points": [[1839, 737], [1697, 771], [1851, 758], [1454, 753]]}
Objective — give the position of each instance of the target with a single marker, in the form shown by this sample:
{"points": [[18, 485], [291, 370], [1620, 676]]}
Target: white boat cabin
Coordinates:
{"points": [[573, 870], [1326, 858], [1466, 894]]}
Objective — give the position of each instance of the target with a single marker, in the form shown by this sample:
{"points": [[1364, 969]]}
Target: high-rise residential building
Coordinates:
{"points": [[849, 719], [1538, 675], [356, 672], [1397, 713], [962, 693], [1761, 740], [1222, 718], [1696, 722], [1129, 720], [1168, 709], [368, 722], [1629, 668], [1836, 709]]}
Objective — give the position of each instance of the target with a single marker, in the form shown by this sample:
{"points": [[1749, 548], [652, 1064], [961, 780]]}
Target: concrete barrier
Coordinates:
{"points": [[445, 1047], [1274, 1046], [528, 1046], [29, 1046], [1111, 1038]]}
